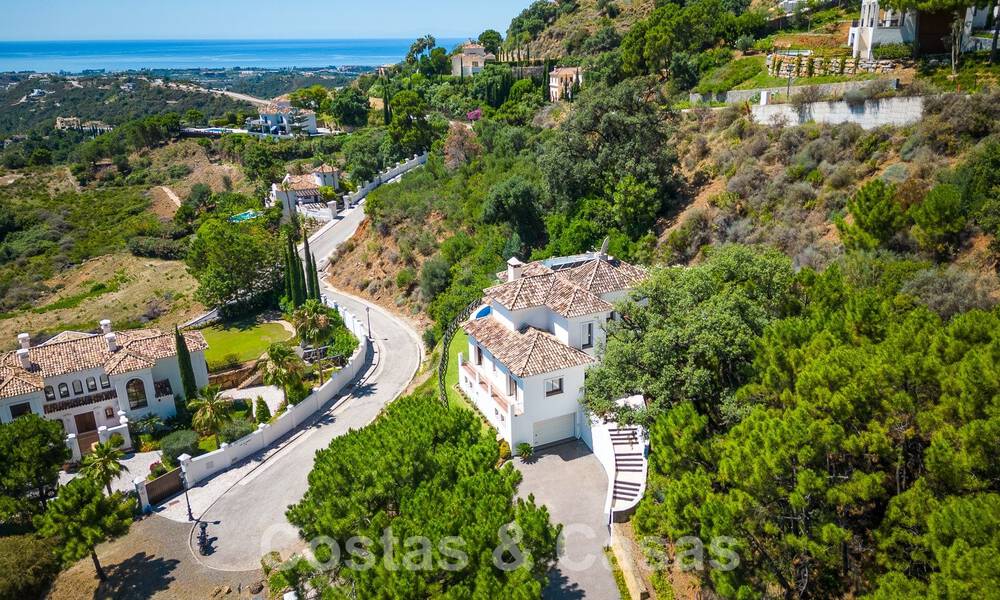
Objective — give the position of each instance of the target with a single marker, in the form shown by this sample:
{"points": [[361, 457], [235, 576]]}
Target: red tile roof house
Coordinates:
{"points": [[92, 381], [303, 189], [533, 339]]}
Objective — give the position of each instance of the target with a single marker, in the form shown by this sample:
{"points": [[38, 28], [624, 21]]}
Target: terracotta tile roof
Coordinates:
{"points": [[529, 270], [604, 276], [325, 168], [528, 352], [558, 293], [301, 183], [69, 352]]}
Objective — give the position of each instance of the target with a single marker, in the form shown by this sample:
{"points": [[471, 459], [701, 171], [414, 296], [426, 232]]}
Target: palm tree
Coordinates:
{"points": [[103, 464], [281, 367], [312, 323], [210, 411]]}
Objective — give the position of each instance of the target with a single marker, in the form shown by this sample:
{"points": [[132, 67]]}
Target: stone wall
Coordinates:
{"points": [[782, 65]]}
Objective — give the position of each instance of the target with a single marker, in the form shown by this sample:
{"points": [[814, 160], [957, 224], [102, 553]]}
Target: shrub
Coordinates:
{"points": [[405, 279], [952, 290], [236, 429], [892, 52], [939, 220], [27, 566], [261, 411], [157, 469], [524, 450], [180, 442], [504, 450], [807, 95], [744, 43], [154, 247]]}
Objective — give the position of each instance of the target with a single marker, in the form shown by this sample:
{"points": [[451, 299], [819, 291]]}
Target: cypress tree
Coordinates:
{"points": [[310, 291], [315, 276], [288, 274], [184, 362]]}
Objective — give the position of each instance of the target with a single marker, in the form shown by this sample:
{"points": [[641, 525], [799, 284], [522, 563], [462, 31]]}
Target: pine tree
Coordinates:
{"points": [[184, 362]]}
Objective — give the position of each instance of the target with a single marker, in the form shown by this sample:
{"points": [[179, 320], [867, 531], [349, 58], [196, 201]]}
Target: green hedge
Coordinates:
{"points": [[892, 52], [180, 442]]}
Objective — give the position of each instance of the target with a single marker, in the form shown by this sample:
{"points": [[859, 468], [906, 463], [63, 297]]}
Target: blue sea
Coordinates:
{"points": [[125, 55]]}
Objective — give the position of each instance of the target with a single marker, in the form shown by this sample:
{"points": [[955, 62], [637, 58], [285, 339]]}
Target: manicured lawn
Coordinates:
{"points": [[731, 74], [207, 444], [232, 343], [459, 343]]}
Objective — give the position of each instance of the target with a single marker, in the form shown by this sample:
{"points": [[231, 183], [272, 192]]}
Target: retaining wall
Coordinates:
{"points": [[204, 466], [825, 89], [871, 114], [383, 177]]}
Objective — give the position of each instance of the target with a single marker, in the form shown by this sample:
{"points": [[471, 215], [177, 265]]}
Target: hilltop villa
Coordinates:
{"points": [[927, 30], [470, 60], [281, 119], [87, 381], [533, 339], [304, 189], [562, 80]]}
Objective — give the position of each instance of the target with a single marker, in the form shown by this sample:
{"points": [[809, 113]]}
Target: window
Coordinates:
{"points": [[19, 410], [479, 356], [63, 390], [136, 391], [511, 385], [109, 413], [77, 387], [105, 382], [50, 393], [554, 387], [588, 335], [91, 384]]}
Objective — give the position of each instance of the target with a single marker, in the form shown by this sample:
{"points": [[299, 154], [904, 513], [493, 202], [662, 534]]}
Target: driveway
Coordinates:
{"points": [[570, 481]]}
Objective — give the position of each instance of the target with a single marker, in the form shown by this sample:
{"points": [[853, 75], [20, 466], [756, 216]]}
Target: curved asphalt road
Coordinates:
{"points": [[249, 520]]}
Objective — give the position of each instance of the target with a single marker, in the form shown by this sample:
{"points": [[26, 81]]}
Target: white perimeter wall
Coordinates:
{"points": [[204, 466]]}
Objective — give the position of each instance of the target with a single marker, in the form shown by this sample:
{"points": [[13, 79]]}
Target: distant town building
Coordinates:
{"points": [[470, 60], [283, 119], [926, 30], [562, 82], [304, 189]]}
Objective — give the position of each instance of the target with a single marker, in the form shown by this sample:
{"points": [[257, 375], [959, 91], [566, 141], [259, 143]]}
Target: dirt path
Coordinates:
{"points": [[171, 194]]}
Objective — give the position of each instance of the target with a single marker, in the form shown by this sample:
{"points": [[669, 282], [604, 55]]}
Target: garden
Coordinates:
{"points": [[235, 342]]}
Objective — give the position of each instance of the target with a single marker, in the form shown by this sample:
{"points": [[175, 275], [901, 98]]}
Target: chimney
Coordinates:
{"points": [[514, 267], [106, 326], [22, 355], [24, 340], [112, 340]]}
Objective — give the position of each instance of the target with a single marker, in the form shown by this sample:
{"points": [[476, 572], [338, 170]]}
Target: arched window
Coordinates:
{"points": [[50, 393], [105, 382], [136, 390], [77, 387], [91, 384], [63, 390]]}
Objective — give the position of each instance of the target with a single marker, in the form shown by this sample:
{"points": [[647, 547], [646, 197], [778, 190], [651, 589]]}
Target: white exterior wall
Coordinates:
{"points": [[35, 399], [539, 407]]}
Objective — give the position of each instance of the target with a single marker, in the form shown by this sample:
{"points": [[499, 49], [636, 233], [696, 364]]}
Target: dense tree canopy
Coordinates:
{"points": [[236, 264], [424, 469], [33, 452]]}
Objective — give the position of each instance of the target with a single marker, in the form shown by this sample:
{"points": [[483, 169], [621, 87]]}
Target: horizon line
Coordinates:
{"points": [[233, 39]]}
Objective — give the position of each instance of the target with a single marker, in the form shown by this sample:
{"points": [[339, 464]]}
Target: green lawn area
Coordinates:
{"points": [[459, 343], [237, 342], [731, 74], [973, 74]]}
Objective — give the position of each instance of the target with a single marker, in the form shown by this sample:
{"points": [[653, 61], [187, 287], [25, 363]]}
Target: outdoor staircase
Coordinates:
{"points": [[630, 467]]}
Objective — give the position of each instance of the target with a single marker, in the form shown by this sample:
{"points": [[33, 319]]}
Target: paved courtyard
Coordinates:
{"points": [[137, 464], [571, 482]]}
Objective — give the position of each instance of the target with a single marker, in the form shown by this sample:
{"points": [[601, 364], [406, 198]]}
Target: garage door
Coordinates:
{"points": [[554, 430]]}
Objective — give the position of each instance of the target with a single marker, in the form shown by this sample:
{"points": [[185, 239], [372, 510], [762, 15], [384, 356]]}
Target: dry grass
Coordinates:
{"points": [[204, 169], [153, 292]]}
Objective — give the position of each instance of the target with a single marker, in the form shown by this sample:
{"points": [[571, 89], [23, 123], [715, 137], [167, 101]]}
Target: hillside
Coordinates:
{"points": [[554, 30]]}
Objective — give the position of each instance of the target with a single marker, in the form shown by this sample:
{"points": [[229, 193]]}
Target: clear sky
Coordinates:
{"points": [[250, 19]]}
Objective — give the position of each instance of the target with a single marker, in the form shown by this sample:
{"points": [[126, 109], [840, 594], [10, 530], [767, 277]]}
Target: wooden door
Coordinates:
{"points": [[85, 422]]}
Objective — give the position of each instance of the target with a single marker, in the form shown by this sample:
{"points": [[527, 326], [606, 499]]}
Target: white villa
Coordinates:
{"points": [[92, 381], [562, 80], [470, 60], [533, 339], [304, 189], [282, 119], [878, 27]]}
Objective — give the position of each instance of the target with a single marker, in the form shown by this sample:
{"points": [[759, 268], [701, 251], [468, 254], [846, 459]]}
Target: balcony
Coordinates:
{"points": [[483, 385], [61, 405]]}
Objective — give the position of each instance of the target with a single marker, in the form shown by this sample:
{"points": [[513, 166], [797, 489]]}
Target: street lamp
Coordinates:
{"points": [[182, 459]]}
